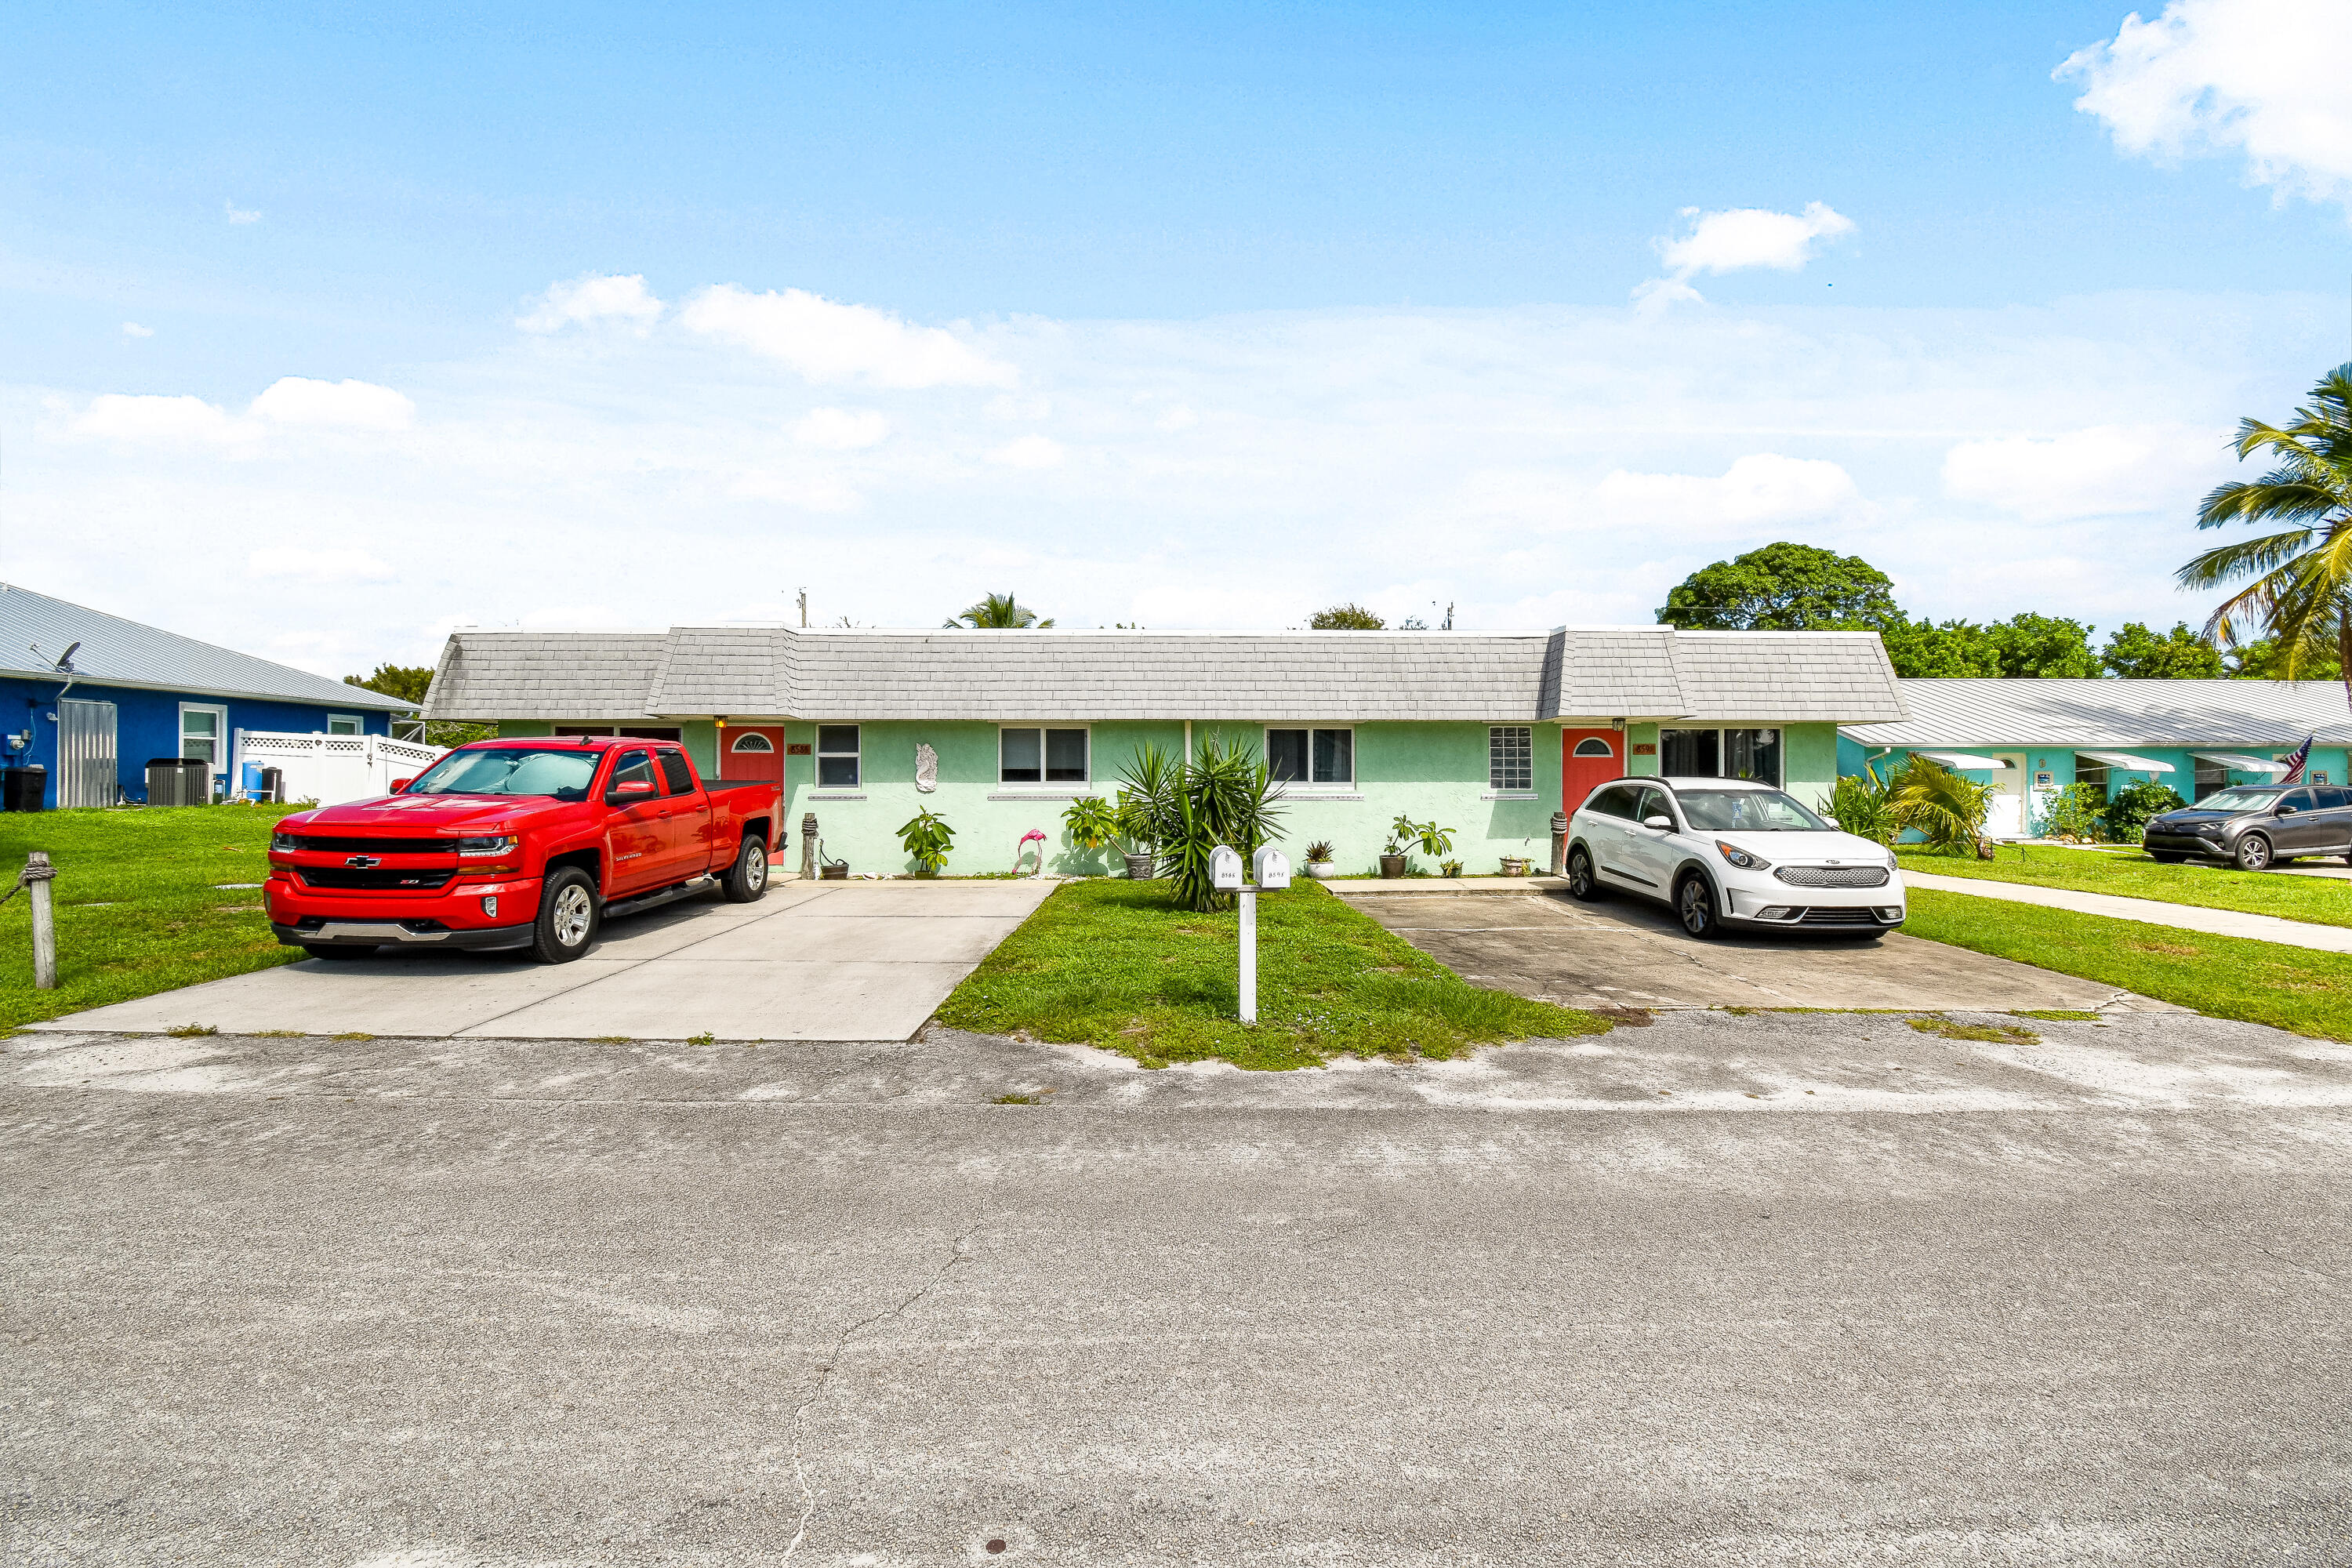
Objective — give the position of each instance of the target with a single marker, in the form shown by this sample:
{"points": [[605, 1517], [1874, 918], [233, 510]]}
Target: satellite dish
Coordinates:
{"points": [[65, 660]]}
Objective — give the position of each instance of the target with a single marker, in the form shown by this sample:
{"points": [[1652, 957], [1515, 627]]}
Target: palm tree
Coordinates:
{"points": [[2301, 594], [997, 613]]}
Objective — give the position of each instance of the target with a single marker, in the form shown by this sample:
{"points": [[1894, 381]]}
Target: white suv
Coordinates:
{"points": [[1725, 852]]}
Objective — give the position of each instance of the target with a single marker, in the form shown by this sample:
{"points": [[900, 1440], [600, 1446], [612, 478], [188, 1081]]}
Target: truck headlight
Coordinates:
{"points": [[285, 843], [498, 844], [1745, 859]]}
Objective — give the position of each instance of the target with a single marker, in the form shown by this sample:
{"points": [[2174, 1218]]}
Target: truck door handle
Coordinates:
{"points": [[662, 814]]}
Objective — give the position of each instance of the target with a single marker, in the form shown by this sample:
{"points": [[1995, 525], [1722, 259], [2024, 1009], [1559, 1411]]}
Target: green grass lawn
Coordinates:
{"points": [[2226, 976], [2322, 900], [1112, 963], [137, 907]]}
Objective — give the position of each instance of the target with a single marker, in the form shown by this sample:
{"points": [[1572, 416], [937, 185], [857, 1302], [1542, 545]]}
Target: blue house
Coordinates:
{"points": [[90, 697]]}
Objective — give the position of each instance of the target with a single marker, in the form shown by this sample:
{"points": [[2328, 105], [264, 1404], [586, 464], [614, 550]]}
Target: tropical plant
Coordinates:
{"points": [[2298, 589], [2077, 813], [1948, 810], [927, 839], [1091, 822], [1406, 836], [2126, 815], [1186, 809], [1450, 868], [1320, 852], [2138, 653], [996, 613], [1864, 805], [1347, 617]]}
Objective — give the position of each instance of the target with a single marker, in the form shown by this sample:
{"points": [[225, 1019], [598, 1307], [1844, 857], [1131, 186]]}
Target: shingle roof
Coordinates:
{"points": [[1302, 677], [2028, 711], [116, 652]]}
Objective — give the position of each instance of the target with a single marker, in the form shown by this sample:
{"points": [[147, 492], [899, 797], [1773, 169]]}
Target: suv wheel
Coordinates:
{"points": [[568, 917], [1583, 885], [1695, 907], [747, 879], [2254, 853]]}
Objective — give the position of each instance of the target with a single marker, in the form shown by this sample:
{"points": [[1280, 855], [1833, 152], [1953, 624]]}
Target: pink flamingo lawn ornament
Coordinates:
{"points": [[1031, 837]]}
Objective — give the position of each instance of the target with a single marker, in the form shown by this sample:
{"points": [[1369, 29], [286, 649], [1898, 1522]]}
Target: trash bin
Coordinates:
{"points": [[260, 785], [25, 789]]}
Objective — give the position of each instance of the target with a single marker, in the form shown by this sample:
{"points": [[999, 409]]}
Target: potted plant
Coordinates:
{"points": [[927, 839], [1450, 868], [1132, 818], [1393, 857], [1406, 836], [1517, 865], [1320, 864]]}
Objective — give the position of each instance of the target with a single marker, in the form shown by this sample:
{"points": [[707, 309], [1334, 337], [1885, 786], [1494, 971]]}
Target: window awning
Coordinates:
{"points": [[2240, 763], [1963, 760], [2126, 760]]}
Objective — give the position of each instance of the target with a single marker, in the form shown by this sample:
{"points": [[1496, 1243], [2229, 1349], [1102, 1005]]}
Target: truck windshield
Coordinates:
{"points": [[1746, 811], [510, 770]]}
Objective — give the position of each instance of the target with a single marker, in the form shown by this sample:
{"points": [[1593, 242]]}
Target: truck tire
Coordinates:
{"points": [[569, 915], [747, 881], [338, 950]]}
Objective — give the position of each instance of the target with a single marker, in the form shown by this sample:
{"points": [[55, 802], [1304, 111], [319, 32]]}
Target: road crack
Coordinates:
{"points": [[833, 1362]]}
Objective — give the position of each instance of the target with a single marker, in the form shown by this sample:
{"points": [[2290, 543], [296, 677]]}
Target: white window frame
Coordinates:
{"points": [[1309, 784], [817, 753], [358, 724], [1496, 789], [1073, 788], [219, 735], [1721, 730]]}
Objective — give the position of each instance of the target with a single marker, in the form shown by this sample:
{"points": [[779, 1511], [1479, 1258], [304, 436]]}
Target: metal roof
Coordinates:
{"points": [[1987, 711], [116, 652], [745, 672]]}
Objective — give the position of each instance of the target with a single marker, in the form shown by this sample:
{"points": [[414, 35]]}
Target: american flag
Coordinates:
{"points": [[2294, 765]]}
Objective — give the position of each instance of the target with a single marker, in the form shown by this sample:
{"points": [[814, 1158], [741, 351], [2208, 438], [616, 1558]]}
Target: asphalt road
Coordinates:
{"points": [[1769, 1289]]}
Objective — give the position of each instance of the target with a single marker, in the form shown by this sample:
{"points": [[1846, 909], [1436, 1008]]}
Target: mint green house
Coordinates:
{"points": [[1488, 732]]}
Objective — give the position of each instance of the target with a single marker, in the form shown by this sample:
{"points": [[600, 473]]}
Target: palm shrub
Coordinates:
{"points": [[1185, 809], [1864, 805], [1947, 810], [2126, 815], [927, 839]]}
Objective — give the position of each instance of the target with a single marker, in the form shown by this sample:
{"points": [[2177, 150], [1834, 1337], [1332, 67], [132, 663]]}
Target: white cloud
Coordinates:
{"points": [[134, 330], [348, 405], [240, 215], [619, 297], [1762, 489], [2106, 470], [1029, 452], [139, 417], [808, 491], [1734, 241], [1180, 417], [2267, 79], [829, 343], [840, 429], [323, 566]]}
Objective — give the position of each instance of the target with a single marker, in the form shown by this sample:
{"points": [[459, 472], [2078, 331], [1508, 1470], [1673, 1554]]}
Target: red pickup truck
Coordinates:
{"points": [[522, 843]]}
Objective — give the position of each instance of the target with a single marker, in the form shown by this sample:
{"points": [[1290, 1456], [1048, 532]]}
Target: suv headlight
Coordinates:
{"points": [[1747, 861], [285, 842], [498, 844]]}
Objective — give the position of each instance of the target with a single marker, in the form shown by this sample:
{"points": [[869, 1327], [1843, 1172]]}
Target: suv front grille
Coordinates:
{"points": [[1839, 917], [1832, 875], [382, 879]]}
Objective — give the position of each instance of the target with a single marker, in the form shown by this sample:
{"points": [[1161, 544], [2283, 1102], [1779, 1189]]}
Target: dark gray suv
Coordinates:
{"points": [[2256, 826]]}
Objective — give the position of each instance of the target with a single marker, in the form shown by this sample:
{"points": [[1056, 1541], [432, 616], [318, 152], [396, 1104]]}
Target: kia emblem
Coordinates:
{"points": [[362, 862]]}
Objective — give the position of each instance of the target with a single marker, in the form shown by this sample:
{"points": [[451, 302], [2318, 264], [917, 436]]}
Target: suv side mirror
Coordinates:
{"points": [[1663, 824], [1831, 820], [2287, 810]]}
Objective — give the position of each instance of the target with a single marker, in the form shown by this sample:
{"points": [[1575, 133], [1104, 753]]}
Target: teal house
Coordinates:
{"points": [[2029, 738], [1488, 734]]}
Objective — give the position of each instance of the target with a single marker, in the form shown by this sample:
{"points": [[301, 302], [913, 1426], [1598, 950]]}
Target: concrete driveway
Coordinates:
{"points": [[813, 960], [1625, 953]]}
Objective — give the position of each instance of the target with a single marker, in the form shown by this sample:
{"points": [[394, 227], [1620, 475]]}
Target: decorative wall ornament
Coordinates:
{"points": [[927, 768]]}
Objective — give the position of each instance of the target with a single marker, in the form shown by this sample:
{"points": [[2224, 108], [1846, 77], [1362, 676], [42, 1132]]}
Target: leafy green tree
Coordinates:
{"points": [[999, 613], [2138, 653], [1347, 617], [2298, 580], [1783, 587], [2024, 645], [406, 681], [2264, 659], [2043, 645]]}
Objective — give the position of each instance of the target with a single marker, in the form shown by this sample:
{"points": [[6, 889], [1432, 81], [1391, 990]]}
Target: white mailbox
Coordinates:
{"points": [[1271, 867], [1225, 869]]}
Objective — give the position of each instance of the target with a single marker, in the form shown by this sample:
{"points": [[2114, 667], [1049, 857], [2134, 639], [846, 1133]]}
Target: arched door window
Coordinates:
{"points": [[750, 741], [1593, 746]]}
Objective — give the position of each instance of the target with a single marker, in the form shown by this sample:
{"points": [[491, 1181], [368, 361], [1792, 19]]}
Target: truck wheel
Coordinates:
{"points": [[747, 879], [332, 950], [568, 917]]}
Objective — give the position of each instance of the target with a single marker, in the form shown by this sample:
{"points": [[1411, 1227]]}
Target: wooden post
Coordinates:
{"points": [[37, 872]]}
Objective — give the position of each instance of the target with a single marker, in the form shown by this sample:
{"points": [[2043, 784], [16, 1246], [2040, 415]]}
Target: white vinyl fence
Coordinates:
{"points": [[330, 768]]}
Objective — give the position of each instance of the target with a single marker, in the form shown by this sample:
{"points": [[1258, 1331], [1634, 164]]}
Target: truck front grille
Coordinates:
{"points": [[323, 846], [390, 878]]}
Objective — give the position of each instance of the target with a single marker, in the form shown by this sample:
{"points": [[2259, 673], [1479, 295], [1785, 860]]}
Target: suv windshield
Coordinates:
{"points": [[1746, 811], [510, 770], [2240, 799]]}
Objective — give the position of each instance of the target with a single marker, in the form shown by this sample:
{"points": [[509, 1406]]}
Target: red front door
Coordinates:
{"points": [[1588, 759], [754, 754]]}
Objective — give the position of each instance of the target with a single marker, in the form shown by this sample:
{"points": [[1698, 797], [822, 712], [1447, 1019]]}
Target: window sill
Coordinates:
{"points": [[1045, 792], [1508, 794], [834, 795], [1292, 792]]}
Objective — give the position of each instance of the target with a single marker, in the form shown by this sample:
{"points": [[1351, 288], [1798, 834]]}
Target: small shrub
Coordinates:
{"points": [[1864, 807], [2126, 815], [1320, 852], [1091, 822], [2076, 815], [926, 840]]}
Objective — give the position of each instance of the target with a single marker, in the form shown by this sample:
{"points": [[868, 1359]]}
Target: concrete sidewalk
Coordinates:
{"points": [[813, 960], [2151, 911]]}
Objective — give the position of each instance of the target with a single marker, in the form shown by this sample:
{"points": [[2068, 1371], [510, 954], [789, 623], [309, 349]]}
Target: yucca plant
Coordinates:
{"points": [[1224, 795], [1948, 811]]}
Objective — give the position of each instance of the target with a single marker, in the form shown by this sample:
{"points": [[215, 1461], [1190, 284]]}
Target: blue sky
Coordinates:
{"points": [[1383, 260]]}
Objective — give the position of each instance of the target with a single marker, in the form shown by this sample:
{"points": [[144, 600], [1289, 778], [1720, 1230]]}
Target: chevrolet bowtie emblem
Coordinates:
{"points": [[362, 862]]}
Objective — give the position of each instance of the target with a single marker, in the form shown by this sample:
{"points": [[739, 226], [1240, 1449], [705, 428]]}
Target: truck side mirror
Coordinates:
{"points": [[632, 789], [399, 785]]}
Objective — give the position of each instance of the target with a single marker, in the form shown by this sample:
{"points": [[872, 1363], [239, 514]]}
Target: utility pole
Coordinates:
{"points": [[803, 609]]}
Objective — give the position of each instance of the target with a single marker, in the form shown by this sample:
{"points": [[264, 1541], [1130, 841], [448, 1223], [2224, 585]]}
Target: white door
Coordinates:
{"points": [[2006, 817]]}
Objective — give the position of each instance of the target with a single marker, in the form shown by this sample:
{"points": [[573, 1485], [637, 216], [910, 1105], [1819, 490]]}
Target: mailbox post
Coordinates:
{"points": [[1272, 869]]}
